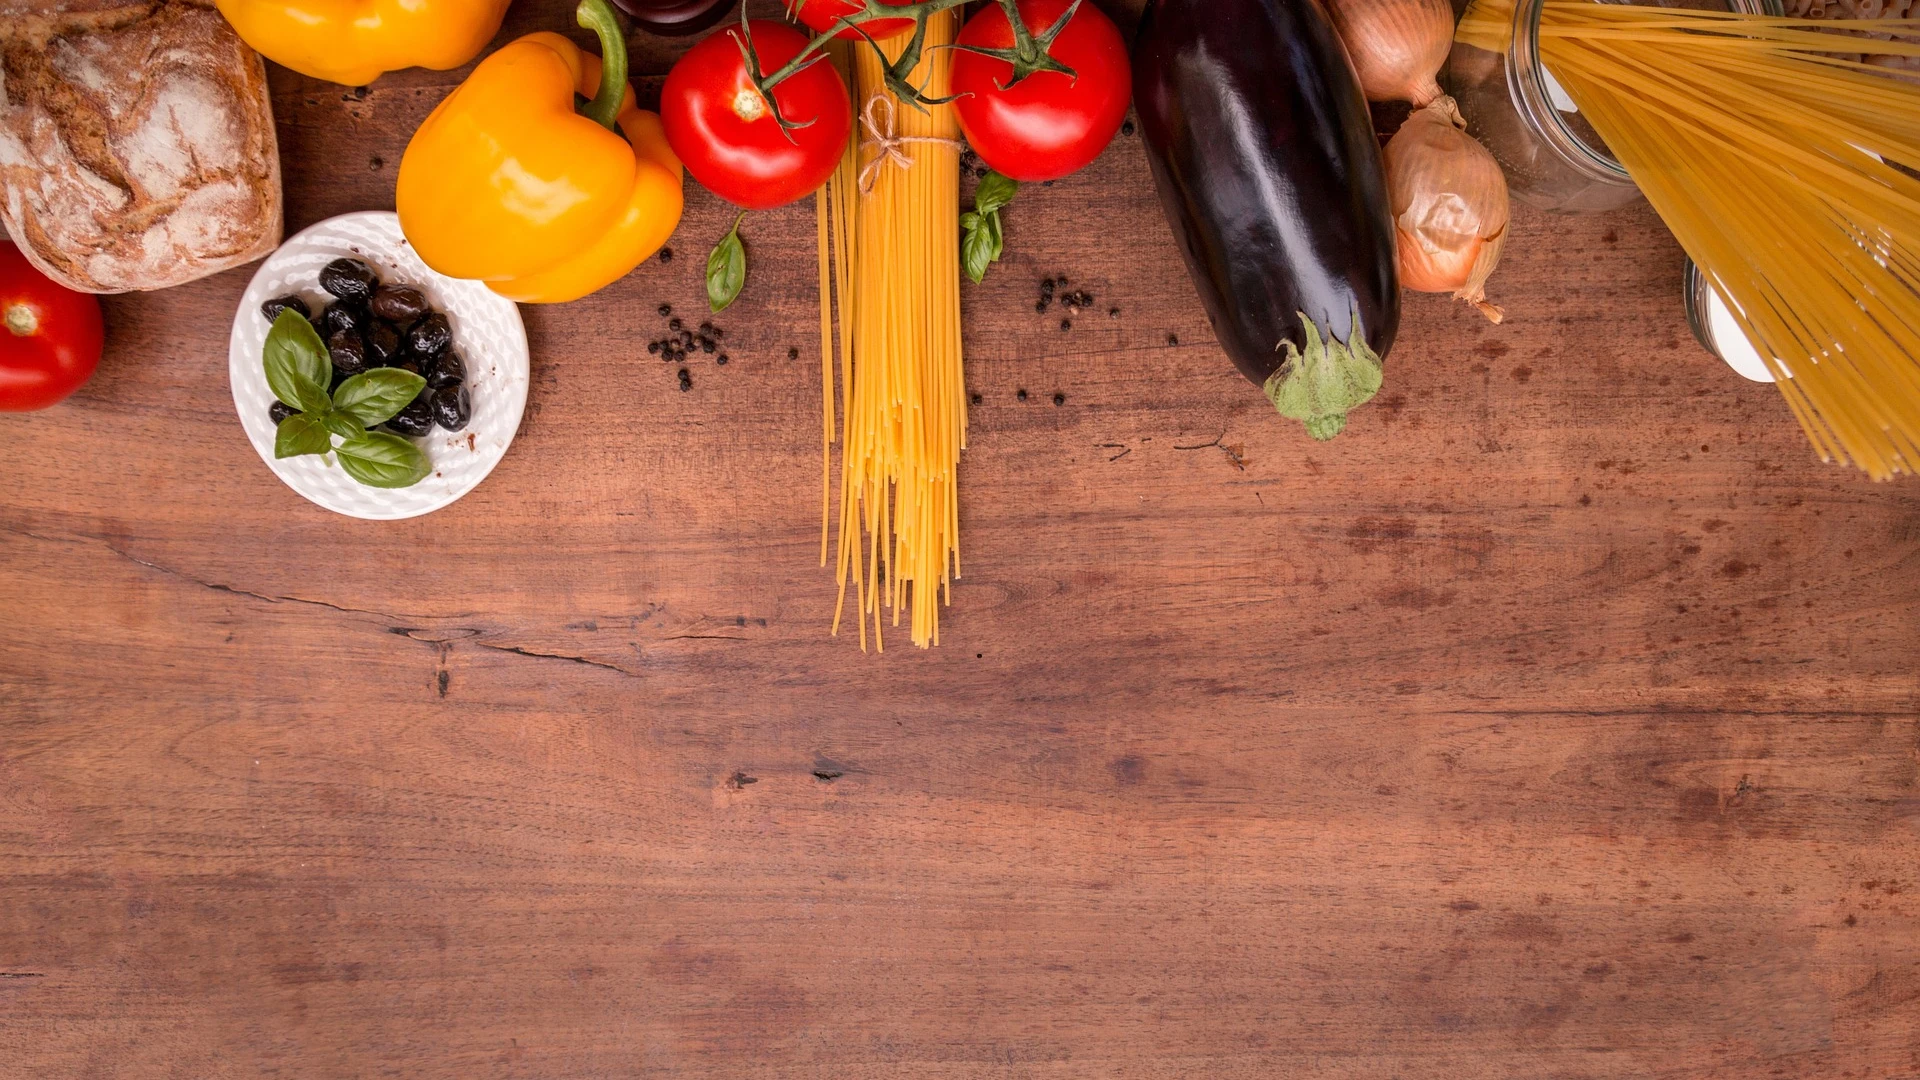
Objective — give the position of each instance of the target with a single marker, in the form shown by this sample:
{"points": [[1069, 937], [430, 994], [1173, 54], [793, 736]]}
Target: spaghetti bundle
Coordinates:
{"points": [[1779, 165], [889, 224]]}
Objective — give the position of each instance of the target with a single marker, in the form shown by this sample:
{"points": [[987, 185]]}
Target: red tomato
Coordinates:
{"points": [[723, 131], [820, 15], [50, 336], [1046, 125]]}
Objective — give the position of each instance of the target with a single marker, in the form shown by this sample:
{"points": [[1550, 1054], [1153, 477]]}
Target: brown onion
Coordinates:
{"points": [[1397, 46], [1449, 203]]}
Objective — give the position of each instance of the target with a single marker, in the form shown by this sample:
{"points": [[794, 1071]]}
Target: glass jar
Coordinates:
{"points": [[1714, 327], [1552, 157]]}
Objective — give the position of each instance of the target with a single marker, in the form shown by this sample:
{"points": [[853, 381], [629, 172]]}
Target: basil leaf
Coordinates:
{"points": [[994, 192], [727, 269], [345, 425], [978, 250], [301, 433], [298, 368], [372, 397], [378, 459]]}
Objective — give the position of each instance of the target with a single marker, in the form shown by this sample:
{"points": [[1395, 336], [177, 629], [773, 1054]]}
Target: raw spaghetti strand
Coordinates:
{"points": [[889, 226], [1779, 167]]}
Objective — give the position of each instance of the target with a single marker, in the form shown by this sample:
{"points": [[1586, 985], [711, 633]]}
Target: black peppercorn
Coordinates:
{"points": [[686, 380], [1066, 325], [653, 347], [1059, 399], [1020, 394], [666, 310], [675, 325], [976, 399], [1126, 128], [1173, 339], [722, 360], [666, 255], [793, 354]]}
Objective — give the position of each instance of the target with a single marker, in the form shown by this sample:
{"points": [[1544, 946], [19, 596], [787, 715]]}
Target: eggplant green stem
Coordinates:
{"points": [[599, 17], [1320, 384]]}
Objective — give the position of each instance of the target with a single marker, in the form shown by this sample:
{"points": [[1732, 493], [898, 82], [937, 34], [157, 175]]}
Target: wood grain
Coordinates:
{"points": [[1561, 719]]}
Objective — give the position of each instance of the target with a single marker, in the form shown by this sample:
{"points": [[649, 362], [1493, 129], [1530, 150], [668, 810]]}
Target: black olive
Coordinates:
{"points": [[383, 343], [349, 279], [272, 308], [417, 418], [452, 408], [349, 351], [341, 315], [280, 411], [448, 370], [431, 335], [398, 303]]}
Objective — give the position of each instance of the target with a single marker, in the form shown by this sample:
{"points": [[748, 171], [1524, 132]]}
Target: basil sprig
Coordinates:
{"points": [[985, 238], [727, 269], [298, 370]]}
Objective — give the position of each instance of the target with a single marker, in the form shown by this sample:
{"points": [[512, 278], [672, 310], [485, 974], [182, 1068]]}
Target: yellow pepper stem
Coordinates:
{"points": [[598, 16]]}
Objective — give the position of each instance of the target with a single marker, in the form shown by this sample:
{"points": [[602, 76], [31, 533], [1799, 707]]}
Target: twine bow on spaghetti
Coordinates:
{"points": [[878, 118]]}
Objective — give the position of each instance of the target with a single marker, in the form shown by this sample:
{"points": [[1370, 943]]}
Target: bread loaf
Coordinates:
{"points": [[137, 147]]}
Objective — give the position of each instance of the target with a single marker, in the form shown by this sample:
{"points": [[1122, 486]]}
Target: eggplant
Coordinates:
{"points": [[1268, 169]]}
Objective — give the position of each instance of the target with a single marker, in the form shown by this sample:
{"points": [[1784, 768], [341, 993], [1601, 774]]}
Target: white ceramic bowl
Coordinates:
{"points": [[486, 330]]}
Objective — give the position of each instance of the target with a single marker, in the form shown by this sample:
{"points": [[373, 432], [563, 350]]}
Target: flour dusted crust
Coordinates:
{"points": [[136, 142]]}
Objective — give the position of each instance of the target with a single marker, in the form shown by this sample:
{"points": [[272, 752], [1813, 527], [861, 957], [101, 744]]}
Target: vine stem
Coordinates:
{"points": [[1029, 54]]}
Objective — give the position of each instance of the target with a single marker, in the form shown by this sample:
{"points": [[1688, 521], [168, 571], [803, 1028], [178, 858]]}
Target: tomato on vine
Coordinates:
{"points": [[820, 15], [1025, 117], [723, 130]]}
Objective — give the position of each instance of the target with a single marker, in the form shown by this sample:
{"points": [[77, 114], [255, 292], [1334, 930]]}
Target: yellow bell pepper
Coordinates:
{"points": [[507, 183], [352, 42]]}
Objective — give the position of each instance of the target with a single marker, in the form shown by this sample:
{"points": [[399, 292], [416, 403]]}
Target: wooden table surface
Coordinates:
{"points": [[1560, 719]]}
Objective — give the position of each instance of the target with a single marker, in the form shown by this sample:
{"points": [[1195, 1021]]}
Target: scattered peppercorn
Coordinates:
{"points": [[674, 324], [1066, 325], [686, 381], [1059, 399], [722, 359], [793, 354], [1113, 313], [1021, 394], [1173, 339], [1127, 128], [1040, 308], [976, 399], [666, 310], [666, 255], [653, 347]]}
